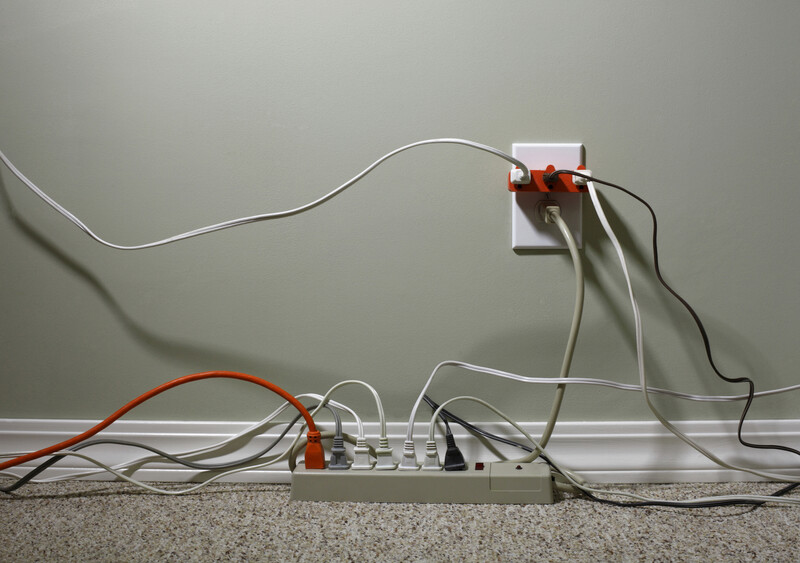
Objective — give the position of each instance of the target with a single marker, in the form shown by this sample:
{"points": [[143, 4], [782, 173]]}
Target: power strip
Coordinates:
{"points": [[500, 482]]}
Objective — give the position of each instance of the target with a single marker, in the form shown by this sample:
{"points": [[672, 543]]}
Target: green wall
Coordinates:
{"points": [[151, 118]]}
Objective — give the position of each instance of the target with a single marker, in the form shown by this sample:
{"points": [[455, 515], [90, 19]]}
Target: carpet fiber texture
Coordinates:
{"points": [[103, 521]]}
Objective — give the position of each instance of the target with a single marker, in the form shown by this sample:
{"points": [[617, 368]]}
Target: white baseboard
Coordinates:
{"points": [[603, 452]]}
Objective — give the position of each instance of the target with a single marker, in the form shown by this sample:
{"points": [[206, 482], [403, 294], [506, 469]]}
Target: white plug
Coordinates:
{"points": [[409, 461], [517, 176], [361, 458], [432, 461], [545, 207], [383, 453], [578, 180]]}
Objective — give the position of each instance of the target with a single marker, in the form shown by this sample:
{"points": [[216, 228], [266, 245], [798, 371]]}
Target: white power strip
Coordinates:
{"points": [[481, 483]]}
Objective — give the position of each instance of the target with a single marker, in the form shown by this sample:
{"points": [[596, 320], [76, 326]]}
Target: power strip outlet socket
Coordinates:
{"points": [[529, 231]]}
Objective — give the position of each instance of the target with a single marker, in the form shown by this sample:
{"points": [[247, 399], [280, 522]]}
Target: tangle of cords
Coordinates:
{"points": [[447, 415], [314, 452], [694, 503], [175, 459], [690, 309]]}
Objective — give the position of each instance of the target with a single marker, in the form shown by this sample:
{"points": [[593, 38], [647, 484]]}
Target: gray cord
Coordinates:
{"points": [[185, 462]]}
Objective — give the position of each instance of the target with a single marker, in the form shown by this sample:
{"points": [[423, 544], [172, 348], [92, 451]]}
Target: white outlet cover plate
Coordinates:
{"points": [[528, 231]]}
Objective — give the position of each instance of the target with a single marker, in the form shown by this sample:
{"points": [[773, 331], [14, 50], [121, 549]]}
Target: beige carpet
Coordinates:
{"points": [[101, 521]]}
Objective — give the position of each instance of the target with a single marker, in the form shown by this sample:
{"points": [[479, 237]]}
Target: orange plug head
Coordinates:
{"points": [[315, 455]]}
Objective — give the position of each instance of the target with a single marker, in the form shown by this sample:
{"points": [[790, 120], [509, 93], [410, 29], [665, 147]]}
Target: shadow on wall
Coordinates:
{"points": [[167, 347], [654, 299], [745, 356]]}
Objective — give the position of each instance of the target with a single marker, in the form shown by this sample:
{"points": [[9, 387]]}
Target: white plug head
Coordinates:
{"points": [[409, 460], [361, 459], [517, 176], [432, 461], [578, 180], [384, 459], [383, 454]]}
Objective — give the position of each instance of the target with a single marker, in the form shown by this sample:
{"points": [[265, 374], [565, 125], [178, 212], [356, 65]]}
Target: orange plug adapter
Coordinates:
{"points": [[315, 455], [562, 184]]}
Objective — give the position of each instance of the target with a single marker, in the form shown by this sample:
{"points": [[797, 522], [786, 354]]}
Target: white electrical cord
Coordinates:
{"points": [[174, 492], [256, 428], [261, 217], [524, 179], [554, 215], [381, 417], [608, 383], [640, 355], [270, 460], [591, 381], [576, 483]]}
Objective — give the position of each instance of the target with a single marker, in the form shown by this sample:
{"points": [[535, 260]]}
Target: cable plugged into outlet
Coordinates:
{"points": [[545, 208], [547, 186], [361, 460], [432, 461], [384, 460], [529, 231], [409, 460]]}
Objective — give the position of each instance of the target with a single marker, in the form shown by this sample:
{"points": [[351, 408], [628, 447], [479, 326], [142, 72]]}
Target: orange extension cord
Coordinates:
{"points": [[315, 455]]}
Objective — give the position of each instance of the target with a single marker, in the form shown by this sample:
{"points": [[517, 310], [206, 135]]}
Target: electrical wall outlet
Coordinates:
{"points": [[528, 229]]}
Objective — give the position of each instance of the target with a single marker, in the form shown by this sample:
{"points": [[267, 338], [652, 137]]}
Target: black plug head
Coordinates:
{"points": [[453, 459]]}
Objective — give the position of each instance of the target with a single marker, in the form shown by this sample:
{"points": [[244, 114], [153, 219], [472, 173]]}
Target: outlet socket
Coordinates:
{"points": [[529, 231]]}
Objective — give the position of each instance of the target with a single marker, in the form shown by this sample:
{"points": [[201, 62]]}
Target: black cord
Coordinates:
{"points": [[706, 342], [445, 415], [453, 458], [191, 464], [433, 407], [475, 429]]}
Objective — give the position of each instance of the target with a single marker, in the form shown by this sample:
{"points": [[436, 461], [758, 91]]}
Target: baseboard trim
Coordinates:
{"points": [[603, 452]]}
